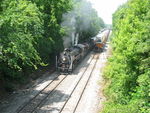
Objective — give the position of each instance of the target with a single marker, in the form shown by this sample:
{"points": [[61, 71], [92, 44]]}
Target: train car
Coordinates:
{"points": [[98, 47], [70, 57], [100, 41]]}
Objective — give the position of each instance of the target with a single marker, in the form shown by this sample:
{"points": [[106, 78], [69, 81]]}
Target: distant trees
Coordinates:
{"points": [[88, 24], [129, 68], [82, 21]]}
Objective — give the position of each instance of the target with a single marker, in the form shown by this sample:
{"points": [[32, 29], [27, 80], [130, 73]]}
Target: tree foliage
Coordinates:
{"points": [[82, 23], [20, 26], [88, 24], [129, 68], [31, 33]]}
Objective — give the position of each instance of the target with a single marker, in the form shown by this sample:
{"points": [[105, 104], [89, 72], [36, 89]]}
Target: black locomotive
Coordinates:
{"points": [[67, 60]]}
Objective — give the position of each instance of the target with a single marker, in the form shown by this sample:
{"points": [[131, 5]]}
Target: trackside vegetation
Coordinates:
{"points": [[128, 70], [28, 33], [31, 34]]}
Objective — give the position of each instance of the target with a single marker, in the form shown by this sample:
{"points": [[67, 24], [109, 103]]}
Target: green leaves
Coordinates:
{"points": [[128, 69], [30, 34], [20, 27]]}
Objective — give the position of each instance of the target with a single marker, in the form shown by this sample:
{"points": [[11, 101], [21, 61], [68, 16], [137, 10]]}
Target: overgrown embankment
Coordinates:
{"points": [[128, 70]]}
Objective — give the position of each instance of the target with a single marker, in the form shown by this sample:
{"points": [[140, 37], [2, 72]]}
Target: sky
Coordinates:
{"points": [[106, 8]]}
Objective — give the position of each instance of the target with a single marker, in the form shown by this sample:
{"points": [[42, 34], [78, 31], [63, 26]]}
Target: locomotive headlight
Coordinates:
{"points": [[64, 59]]}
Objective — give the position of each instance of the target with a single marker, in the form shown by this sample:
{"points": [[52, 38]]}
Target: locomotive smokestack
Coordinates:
{"points": [[73, 38], [73, 21], [76, 38]]}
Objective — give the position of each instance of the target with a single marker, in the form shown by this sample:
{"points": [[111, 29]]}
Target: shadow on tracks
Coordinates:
{"points": [[22, 97], [50, 103]]}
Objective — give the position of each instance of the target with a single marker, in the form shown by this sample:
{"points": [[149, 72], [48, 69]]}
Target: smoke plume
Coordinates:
{"points": [[76, 20]]}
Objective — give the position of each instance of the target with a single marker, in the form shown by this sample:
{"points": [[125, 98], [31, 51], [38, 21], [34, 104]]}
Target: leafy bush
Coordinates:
{"points": [[20, 27], [129, 67]]}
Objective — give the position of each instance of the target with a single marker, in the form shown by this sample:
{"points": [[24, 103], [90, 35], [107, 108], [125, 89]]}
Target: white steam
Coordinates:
{"points": [[83, 12]]}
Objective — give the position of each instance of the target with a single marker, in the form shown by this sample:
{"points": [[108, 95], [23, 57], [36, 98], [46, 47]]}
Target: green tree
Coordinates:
{"points": [[30, 33], [20, 26], [129, 67], [52, 12]]}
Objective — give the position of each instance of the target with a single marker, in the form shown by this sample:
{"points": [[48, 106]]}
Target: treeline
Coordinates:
{"points": [[31, 34], [128, 70]]}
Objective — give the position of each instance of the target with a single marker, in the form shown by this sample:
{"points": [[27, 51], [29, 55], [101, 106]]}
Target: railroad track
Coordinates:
{"points": [[82, 87], [33, 103], [49, 91]]}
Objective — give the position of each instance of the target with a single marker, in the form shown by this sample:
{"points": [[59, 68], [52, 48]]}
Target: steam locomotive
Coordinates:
{"points": [[70, 57]]}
